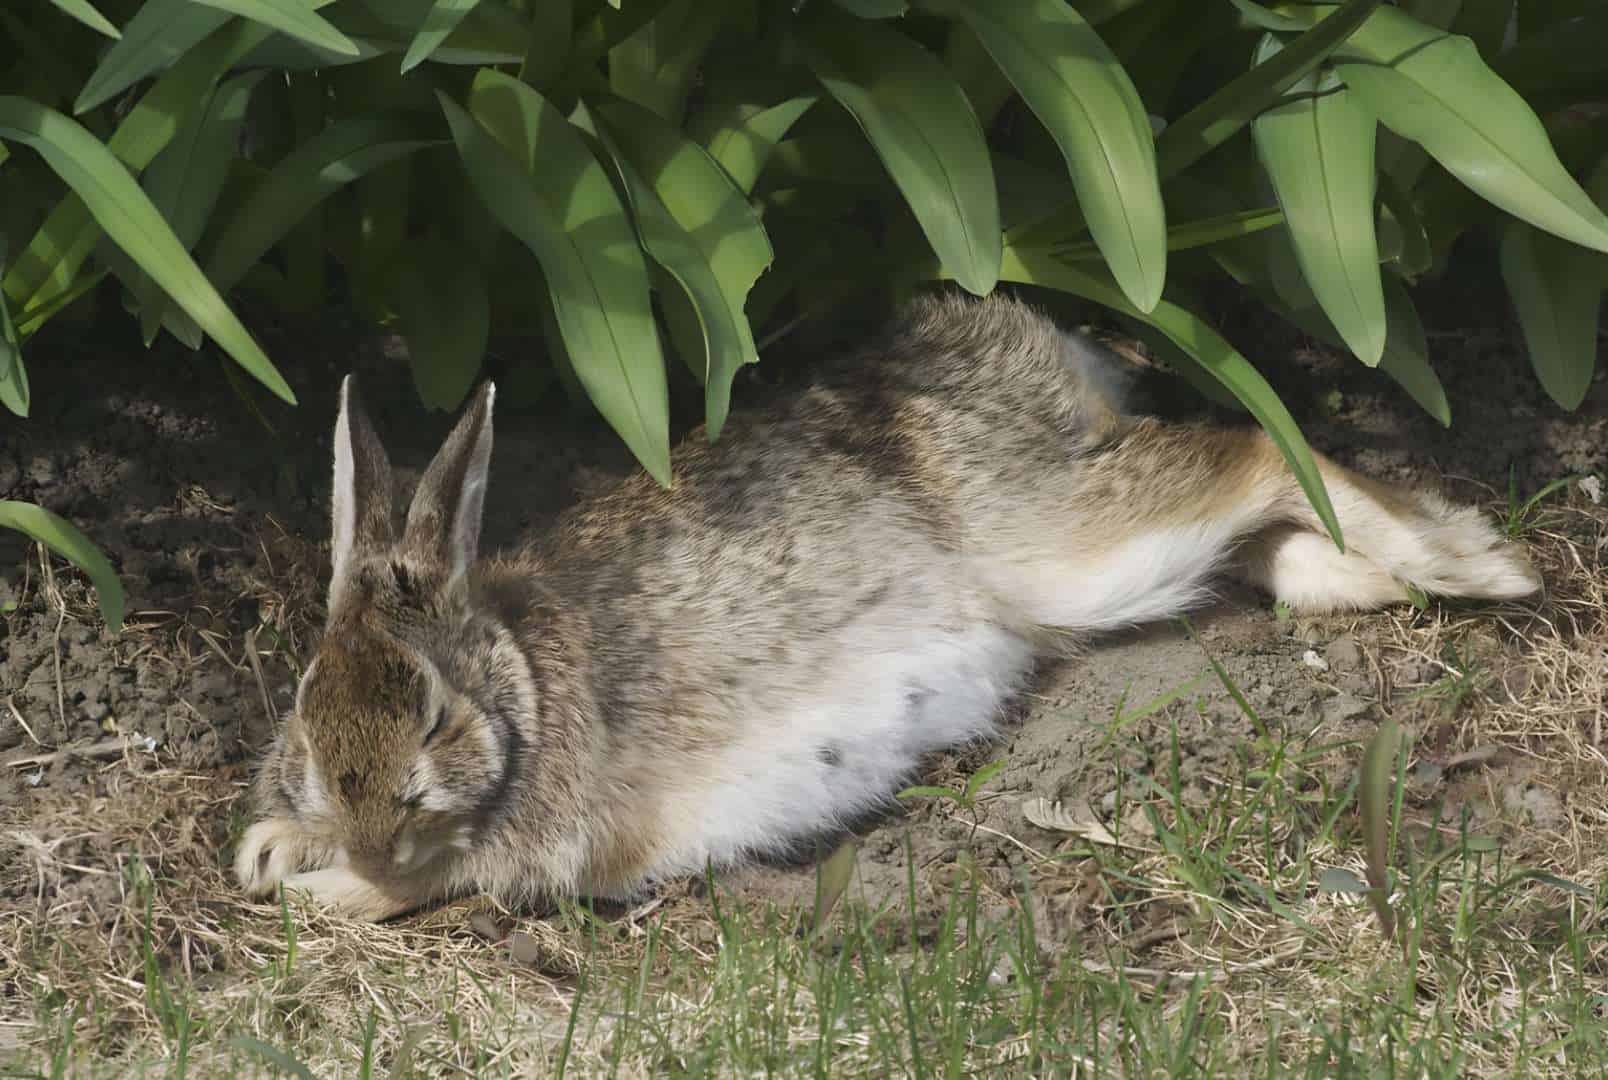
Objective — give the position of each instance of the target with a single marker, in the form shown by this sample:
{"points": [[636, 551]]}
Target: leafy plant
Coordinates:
{"points": [[627, 181]]}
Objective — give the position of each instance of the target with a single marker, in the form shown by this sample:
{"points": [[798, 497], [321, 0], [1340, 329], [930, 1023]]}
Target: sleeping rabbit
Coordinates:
{"points": [[859, 574]]}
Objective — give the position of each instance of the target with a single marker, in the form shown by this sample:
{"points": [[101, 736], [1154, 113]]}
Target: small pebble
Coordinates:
{"points": [[1312, 660]]}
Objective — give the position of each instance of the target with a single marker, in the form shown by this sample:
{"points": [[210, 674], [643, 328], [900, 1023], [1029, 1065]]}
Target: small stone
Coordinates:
{"points": [[1312, 660], [487, 927], [1343, 653], [1343, 707]]}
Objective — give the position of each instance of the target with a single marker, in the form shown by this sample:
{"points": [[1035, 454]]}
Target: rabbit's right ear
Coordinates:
{"points": [[361, 511]]}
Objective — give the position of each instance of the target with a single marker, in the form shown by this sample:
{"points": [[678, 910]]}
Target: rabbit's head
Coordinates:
{"points": [[405, 737]]}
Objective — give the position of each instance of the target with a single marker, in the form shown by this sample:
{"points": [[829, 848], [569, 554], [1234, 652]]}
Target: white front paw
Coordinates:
{"points": [[338, 890], [272, 851]]}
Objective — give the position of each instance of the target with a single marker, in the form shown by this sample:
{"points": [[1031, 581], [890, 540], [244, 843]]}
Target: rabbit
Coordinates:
{"points": [[853, 576]]}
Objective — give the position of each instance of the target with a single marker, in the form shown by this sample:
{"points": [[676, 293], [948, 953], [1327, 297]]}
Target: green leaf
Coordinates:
{"points": [[1406, 358], [1209, 124], [1434, 89], [1374, 801], [443, 19], [271, 1056], [1416, 254], [832, 879], [1205, 346], [47, 269], [1337, 879], [985, 85], [1080, 93], [1194, 234], [342, 152], [539, 180], [741, 137], [926, 134], [158, 34], [14, 392], [552, 27], [186, 177], [1557, 289], [295, 18], [445, 315], [127, 216], [928, 791], [654, 66], [697, 225], [1318, 149], [85, 12], [62, 538], [874, 9]]}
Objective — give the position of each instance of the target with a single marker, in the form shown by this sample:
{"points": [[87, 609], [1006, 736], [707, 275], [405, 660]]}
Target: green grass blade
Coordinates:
{"points": [[1209, 124], [1318, 149], [125, 212], [1406, 356], [85, 12], [742, 137], [1079, 91], [539, 180], [441, 302], [697, 224], [294, 18], [1374, 804], [65, 540], [1206, 347], [925, 133], [1194, 234], [442, 19]]}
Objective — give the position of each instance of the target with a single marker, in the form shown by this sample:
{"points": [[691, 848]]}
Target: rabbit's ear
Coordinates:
{"points": [[444, 520], [361, 514]]}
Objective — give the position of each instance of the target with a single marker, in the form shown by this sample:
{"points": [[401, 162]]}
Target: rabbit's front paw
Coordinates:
{"points": [[273, 850], [340, 891]]}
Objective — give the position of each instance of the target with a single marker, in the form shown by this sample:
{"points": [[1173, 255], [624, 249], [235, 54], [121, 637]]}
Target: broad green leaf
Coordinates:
{"points": [[697, 225], [924, 130], [1406, 358], [48, 267], [552, 26], [1209, 124], [741, 137], [14, 392], [831, 881], [443, 19], [328, 161], [537, 177], [1568, 55], [1485, 22], [127, 216], [654, 66], [65, 540], [1318, 149], [441, 304], [1082, 96], [1416, 256], [491, 33], [1434, 89], [295, 18], [874, 9], [159, 33], [85, 12], [985, 85], [186, 177], [1205, 346], [1557, 289]]}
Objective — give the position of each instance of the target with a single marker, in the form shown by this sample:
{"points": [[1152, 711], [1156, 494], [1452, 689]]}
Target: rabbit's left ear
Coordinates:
{"points": [[444, 519], [360, 511]]}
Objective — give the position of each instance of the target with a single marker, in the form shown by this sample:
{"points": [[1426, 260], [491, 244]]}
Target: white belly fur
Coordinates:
{"points": [[850, 745]]}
